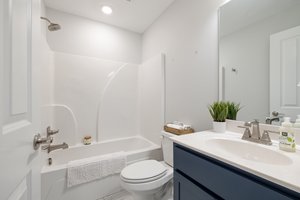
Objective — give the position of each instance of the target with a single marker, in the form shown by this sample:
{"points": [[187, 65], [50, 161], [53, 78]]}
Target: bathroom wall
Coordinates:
{"points": [[81, 36], [252, 69], [188, 35]]}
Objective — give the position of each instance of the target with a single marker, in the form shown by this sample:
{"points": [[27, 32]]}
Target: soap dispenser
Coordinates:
{"points": [[287, 138]]}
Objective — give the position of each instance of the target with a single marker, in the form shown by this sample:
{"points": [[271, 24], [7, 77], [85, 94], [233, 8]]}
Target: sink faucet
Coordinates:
{"points": [[255, 130], [274, 118], [50, 147], [269, 120], [255, 136]]}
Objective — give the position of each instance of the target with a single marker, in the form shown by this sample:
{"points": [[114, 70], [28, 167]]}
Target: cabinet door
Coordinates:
{"points": [[186, 190]]}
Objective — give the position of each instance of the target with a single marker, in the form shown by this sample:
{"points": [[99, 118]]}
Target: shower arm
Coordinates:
{"points": [[44, 18]]}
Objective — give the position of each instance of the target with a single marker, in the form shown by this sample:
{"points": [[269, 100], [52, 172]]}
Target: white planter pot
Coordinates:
{"points": [[219, 127]]}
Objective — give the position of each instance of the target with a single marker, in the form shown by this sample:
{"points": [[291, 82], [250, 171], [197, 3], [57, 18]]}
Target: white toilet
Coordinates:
{"points": [[151, 179]]}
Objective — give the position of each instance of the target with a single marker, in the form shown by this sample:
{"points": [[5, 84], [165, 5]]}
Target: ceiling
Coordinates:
{"points": [[238, 14], [133, 15]]}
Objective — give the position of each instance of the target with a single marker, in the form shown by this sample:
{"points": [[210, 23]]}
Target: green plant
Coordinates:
{"points": [[218, 111], [233, 109]]}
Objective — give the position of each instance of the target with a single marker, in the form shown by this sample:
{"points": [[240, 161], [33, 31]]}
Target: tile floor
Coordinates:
{"points": [[121, 195]]}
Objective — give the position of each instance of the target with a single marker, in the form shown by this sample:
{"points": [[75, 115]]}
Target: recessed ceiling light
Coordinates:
{"points": [[107, 10]]}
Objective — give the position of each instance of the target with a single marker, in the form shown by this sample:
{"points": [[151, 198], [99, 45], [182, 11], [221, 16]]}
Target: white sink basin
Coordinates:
{"points": [[248, 151]]}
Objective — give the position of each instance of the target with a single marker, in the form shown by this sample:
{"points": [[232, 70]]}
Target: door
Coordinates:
{"points": [[19, 121], [285, 72], [184, 189]]}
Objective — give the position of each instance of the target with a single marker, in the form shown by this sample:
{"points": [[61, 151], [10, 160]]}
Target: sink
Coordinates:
{"points": [[249, 151]]}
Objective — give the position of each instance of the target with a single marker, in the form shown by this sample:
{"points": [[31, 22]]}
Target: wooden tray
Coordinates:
{"points": [[177, 131]]}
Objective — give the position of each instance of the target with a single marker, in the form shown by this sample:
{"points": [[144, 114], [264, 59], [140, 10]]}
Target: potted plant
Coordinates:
{"points": [[233, 109], [219, 111]]}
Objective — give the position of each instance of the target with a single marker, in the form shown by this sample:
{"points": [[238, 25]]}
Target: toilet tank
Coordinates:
{"points": [[167, 147]]}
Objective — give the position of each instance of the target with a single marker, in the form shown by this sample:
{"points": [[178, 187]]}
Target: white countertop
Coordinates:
{"points": [[285, 173]]}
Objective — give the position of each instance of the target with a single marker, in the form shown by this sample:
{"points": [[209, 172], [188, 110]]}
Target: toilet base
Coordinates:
{"points": [[163, 193]]}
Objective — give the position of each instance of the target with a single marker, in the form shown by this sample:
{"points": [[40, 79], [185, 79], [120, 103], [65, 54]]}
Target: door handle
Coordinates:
{"points": [[38, 140]]}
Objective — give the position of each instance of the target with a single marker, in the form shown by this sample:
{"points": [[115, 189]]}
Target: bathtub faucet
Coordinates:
{"points": [[50, 147], [51, 132]]}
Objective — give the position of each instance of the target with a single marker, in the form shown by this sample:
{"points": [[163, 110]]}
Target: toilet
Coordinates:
{"points": [[151, 179]]}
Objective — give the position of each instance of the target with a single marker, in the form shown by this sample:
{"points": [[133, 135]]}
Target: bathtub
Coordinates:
{"points": [[53, 177]]}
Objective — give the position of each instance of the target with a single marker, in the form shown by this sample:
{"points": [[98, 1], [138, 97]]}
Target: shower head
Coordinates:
{"points": [[52, 26]]}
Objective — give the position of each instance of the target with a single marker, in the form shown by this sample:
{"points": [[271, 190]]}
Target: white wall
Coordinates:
{"points": [[247, 50], [85, 37], [188, 34]]}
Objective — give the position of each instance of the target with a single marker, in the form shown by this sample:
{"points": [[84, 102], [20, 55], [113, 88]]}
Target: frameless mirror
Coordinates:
{"points": [[259, 56]]}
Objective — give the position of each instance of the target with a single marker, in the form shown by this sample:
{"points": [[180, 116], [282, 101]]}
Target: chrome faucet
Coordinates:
{"points": [[255, 136], [51, 132], [269, 120], [274, 118], [50, 147], [255, 130]]}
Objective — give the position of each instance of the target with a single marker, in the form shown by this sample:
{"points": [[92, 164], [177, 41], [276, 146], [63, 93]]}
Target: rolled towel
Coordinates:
{"points": [[186, 127], [178, 127], [90, 169]]}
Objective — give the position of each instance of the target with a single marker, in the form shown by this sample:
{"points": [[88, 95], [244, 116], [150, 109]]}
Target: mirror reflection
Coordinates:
{"points": [[260, 58]]}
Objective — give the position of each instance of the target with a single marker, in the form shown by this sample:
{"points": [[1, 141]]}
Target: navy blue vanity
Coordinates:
{"points": [[199, 177]]}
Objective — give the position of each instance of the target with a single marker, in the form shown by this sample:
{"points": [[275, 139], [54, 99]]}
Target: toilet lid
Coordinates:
{"points": [[143, 171]]}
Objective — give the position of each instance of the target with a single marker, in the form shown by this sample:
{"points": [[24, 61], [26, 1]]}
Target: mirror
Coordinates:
{"points": [[259, 56]]}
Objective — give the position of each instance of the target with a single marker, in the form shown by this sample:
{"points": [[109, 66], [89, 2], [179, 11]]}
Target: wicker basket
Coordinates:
{"points": [[177, 131]]}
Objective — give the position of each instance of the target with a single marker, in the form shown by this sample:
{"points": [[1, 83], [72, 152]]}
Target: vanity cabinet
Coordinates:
{"points": [[197, 177]]}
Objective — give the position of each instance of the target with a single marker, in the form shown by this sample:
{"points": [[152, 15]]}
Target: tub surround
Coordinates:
{"points": [[276, 166]]}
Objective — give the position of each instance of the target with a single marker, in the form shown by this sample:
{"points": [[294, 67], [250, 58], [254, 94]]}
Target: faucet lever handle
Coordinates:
{"points": [[38, 140], [266, 137], [51, 132], [247, 133]]}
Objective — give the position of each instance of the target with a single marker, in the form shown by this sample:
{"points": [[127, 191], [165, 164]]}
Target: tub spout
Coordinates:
{"points": [[50, 147]]}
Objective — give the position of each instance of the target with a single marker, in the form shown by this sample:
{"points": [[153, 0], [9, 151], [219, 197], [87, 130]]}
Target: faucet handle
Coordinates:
{"points": [[38, 140], [266, 137], [51, 132], [247, 133]]}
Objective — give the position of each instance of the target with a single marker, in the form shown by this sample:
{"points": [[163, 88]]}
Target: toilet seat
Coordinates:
{"points": [[146, 184], [143, 172]]}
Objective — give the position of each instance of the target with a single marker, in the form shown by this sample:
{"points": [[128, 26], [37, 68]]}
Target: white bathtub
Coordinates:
{"points": [[54, 176]]}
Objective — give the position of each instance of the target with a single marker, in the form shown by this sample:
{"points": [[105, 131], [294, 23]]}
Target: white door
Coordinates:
{"points": [[19, 121], [285, 72]]}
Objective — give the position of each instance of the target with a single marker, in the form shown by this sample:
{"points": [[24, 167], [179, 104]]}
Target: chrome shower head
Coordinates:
{"points": [[52, 26]]}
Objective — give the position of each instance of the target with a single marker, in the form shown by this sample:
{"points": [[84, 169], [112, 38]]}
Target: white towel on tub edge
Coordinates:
{"points": [[93, 168]]}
